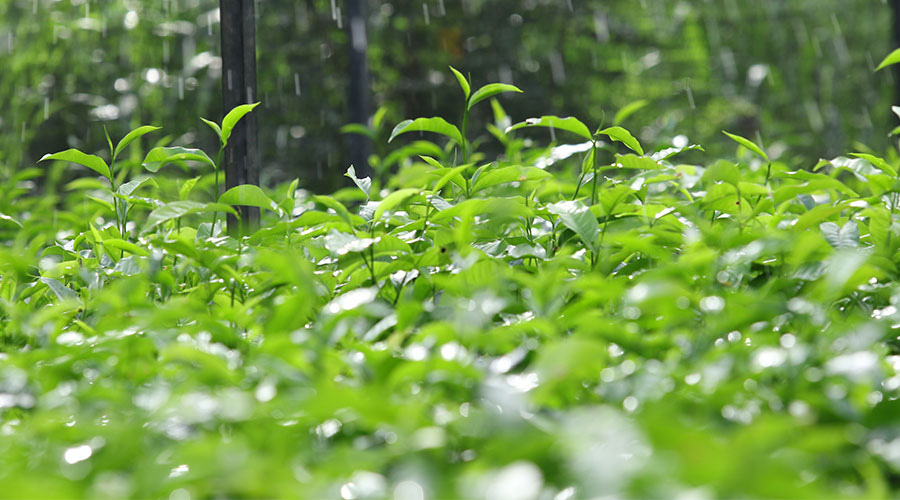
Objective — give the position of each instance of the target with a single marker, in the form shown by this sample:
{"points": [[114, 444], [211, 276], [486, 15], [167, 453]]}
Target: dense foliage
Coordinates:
{"points": [[575, 319], [797, 72]]}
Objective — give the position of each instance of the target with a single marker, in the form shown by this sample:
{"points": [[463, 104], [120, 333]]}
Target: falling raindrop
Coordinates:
{"points": [[334, 11], [569, 5], [339, 19], [425, 10], [46, 107], [441, 10], [180, 88], [297, 84], [229, 80], [23, 131], [34, 7], [690, 96]]}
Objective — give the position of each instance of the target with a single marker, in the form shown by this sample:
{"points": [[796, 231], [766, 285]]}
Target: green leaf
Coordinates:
{"points": [[623, 136], [159, 157], [892, 58], [436, 125], [637, 162], [489, 90], [722, 171], [878, 162], [4, 217], [62, 292], [358, 128], [393, 200], [248, 195], [840, 237], [131, 136], [575, 216], [132, 186], [569, 123], [214, 126], [508, 174], [338, 207], [450, 174], [178, 209], [364, 184], [92, 162], [232, 119], [667, 153], [463, 82], [105, 203], [127, 246], [628, 110], [186, 188], [748, 144]]}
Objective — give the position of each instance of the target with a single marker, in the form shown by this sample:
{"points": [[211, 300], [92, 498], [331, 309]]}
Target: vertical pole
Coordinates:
{"points": [[238, 26], [358, 88]]}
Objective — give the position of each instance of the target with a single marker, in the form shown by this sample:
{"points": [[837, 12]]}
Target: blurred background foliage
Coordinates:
{"points": [[796, 75]]}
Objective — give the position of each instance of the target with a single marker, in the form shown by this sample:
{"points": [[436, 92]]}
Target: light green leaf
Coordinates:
{"points": [[722, 171], [178, 209], [92, 162], [248, 195], [569, 123], [105, 203], [637, 162], [667, 153], [364, 184], [232, 119], [127, 246], [892, 58], [450, 174], [748, 144], [214, 126], [394, 200], [840, 237], [186, 188], [159, 157], [575, 216], [132, 186], [489, 90], [463, 82], [62, 292], [358, 128], [878, 162], [131, 136], [623, 136], [628, 110], [436, 125], [4, 217], [335, 205], [508, 174]]}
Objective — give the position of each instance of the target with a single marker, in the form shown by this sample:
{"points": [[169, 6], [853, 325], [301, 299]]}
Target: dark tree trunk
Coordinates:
{"points": [[358, 88], [239, 87]]}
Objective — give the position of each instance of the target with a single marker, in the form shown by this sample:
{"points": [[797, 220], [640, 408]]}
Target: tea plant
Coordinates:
{"points": [[543, 325]]}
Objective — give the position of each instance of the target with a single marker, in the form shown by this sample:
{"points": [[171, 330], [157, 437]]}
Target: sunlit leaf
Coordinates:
{"points": [[463, 82], [248, 195], [232, 119], [159, 157], [570, 124], [436, 125], [747, 144], [92, 162], [623, 136], [892, 58], [489, 90], [131, 136]]}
